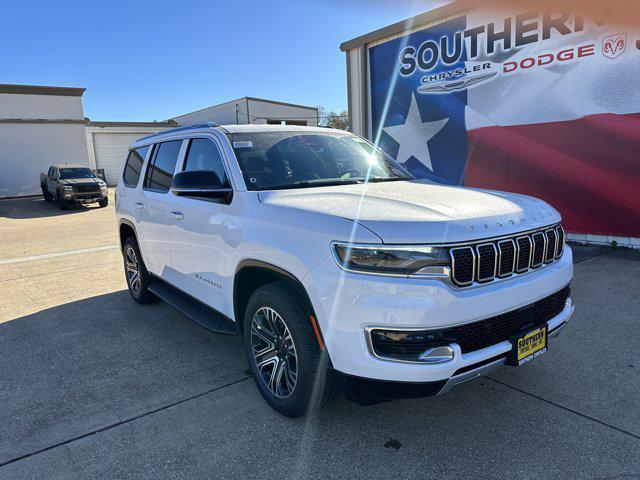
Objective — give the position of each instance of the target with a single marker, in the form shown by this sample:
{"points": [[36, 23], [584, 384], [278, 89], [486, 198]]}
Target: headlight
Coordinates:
{"points": [[405, 260], [68, 188]]}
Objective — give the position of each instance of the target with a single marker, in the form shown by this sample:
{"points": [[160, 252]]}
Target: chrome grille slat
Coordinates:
{"points": [[462, 274], [506, 250], [539, 249], [525, 250], [560, 243], [502, 257], [487, 262], [550, 253]]}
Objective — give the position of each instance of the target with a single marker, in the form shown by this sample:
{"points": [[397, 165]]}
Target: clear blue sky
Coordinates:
{"points": [[144, 60]]}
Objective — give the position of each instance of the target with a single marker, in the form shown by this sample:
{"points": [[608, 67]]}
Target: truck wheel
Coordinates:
{"points": [[45, 194], [104, 202], [62, 203], [286, 362], [138, 278]]}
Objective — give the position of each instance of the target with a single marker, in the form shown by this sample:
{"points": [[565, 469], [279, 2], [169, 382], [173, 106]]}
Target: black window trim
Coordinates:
{"points": [[152, 158], [124, 181], [220, 154]]}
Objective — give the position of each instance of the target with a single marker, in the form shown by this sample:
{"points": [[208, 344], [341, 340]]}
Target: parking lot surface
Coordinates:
{"points": [[93, 385]]}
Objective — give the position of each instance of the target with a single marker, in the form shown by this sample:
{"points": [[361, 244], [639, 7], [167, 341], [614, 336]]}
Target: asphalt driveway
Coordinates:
{"points": [[93, 385]]}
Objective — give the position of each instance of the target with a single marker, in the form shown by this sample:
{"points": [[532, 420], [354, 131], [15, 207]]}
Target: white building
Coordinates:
{"points": [[252, 110], [107, 143], [38, 126], [44, 125]]}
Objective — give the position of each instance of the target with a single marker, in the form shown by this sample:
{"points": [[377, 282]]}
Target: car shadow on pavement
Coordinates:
{"points": [[36, 207], [70, 369]]}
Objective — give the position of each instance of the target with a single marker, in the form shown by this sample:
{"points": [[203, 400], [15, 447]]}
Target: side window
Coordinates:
{"points": [[133, 166], [160, 170], [202, 154]]}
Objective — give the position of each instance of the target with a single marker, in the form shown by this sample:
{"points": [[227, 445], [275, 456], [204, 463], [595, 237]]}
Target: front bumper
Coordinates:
{"points": [[89, 197], [347, 307], [366, 390]]}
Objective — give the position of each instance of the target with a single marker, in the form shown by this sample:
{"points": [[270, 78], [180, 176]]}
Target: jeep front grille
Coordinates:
{"points": [[485, 261], [463, 261], [90, 188]]}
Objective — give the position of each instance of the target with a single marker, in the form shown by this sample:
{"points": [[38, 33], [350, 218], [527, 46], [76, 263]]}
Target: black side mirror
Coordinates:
{"points": [[201, 184]]}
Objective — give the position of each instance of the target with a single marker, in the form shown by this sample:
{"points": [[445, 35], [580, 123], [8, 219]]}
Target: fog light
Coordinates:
{"points": [[412, 346]]}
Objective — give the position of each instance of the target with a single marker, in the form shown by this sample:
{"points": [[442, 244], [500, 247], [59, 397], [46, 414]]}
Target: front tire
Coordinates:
{"points": [[138, 277], [62, 203], [283, 353], [104, 202]]}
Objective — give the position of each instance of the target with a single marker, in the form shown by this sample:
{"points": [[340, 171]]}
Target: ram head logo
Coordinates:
{"points": [[614, 45]]}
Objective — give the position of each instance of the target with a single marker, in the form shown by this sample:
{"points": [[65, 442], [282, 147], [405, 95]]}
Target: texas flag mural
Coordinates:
{"points": [[541, 103]]}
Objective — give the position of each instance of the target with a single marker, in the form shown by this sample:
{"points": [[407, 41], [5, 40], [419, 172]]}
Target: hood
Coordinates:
{"points": [[80, 181], [422, 212]]}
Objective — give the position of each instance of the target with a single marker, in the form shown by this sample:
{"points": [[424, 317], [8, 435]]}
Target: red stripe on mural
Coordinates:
{"points": [[588, 169]]}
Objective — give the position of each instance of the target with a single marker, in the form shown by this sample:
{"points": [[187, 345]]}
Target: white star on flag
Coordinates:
{"points": [[414, 134]]}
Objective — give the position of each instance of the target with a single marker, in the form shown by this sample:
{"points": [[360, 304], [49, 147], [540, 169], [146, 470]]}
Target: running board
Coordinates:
{"points": [[196, 311]]}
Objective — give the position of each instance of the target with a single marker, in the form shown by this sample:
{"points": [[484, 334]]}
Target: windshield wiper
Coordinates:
{"points": [[388, 179], [309, 184]]}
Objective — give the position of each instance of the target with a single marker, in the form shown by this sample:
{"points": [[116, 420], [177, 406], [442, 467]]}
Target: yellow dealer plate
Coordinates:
{"points": [[531, 345]]}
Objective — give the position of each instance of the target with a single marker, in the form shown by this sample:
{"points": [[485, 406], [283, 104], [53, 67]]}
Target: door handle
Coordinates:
{"points": [[139, 205], [177, 215]]}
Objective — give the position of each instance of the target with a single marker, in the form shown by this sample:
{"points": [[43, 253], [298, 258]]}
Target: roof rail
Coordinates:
{"points": [[181, 129]]}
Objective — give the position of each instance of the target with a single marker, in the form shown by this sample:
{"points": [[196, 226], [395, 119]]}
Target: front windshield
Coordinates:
{"points": [[295, 159], [68, 173]]}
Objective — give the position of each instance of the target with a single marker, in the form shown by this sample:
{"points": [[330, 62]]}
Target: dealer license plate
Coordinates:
{"points": [[528, 346]]}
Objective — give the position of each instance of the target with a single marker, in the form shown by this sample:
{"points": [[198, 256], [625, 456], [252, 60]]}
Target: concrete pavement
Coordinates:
{"points": [[93, 385]]}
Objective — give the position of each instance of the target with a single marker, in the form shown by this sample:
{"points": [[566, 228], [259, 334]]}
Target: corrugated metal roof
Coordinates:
{"points": [[166, 124]]}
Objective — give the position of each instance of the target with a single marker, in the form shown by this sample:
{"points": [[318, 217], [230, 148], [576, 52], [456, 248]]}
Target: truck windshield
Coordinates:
{"points": [[68, 173], [295, 159]]}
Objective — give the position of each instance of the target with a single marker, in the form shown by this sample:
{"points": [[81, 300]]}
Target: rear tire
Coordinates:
{"points": [[104, 202], [287, 364], [137, 275], [46, 195], [62, 203]]}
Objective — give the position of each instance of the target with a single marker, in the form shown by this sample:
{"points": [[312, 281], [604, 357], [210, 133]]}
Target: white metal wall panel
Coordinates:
{"points": [[261, 111], [44, 107], [29, 148], [357, 83], [223, 114], [110, 149]]}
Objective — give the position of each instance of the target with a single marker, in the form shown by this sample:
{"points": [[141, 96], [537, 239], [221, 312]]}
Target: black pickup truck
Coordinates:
{"points": [[69, 183]]}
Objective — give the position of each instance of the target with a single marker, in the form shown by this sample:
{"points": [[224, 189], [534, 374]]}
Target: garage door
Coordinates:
{"points": [[110, 149]]}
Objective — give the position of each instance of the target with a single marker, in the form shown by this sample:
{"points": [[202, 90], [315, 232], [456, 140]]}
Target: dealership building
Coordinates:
{"points": [[41, 125], [540, 103]]}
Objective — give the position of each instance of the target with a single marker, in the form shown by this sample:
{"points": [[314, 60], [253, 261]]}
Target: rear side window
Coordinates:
{"points": [[133, 166], [163, 163], [202, 154]]}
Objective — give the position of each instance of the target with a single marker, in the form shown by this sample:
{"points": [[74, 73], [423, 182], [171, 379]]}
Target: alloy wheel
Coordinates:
{"points": [[133, 270], [274, 352]]}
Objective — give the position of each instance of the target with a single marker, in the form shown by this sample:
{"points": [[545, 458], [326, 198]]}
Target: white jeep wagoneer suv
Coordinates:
{"points": [[336, 266]]}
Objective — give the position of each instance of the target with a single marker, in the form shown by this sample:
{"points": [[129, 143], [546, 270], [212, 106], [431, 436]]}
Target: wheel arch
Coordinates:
{"points": [[253, 274], [125, 230]]}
